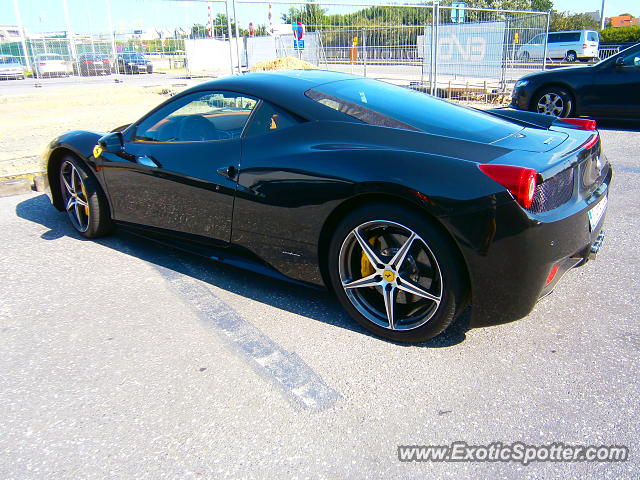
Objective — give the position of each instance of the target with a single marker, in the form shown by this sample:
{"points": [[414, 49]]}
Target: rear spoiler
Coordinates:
{"points": [[524, 118]]}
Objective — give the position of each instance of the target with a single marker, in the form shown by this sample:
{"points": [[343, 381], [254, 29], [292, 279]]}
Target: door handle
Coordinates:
{"points": [[147, 161], [230, 172]]}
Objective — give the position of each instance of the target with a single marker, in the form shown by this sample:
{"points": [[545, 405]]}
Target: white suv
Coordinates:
{"points": [[571, 46]]}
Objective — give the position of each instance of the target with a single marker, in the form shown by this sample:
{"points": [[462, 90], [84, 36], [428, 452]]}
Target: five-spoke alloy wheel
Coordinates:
{"points": [[83, 199], [396, 273], [75, 196]]}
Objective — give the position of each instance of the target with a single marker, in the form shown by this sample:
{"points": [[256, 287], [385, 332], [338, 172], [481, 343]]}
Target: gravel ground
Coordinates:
{"points": [[38, 117], [122, 359]]}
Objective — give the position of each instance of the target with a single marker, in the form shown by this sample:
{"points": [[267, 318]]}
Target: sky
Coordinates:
{"points": [[88, 16]]}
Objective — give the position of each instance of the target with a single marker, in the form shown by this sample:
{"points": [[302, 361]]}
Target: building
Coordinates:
{"points": [[623, 21], [10, 33]]}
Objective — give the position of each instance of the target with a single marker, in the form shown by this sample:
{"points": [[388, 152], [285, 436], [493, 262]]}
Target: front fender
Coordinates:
{"points": [[79, 143]]}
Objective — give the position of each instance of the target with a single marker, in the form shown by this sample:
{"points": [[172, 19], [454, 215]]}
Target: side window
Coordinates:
{"points": [[268, 118], [357, 110], [536, 40], [573, 37], [553, 38], [632, 60], [198, 117]]}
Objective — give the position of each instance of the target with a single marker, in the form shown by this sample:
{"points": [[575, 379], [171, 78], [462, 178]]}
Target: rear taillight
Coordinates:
{"points": [[42, 64], [591, 142], [88, 62], [584, 45], [583, 123], [105, 61], [520, 181]]}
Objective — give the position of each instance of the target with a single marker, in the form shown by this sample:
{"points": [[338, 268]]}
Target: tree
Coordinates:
{"points": [[541, 5], [572, 21], [630, 34]]}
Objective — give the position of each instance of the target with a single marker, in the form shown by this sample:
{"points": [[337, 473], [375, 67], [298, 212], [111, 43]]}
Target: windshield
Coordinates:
{"points": [[383, 104], [8, 60]]}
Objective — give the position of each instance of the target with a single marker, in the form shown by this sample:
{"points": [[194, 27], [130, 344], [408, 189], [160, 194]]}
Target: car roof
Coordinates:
{"points": [[573, 31], [285, 88]]}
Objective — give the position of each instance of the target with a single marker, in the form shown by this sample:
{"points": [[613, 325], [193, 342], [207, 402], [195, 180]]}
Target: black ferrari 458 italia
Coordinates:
{"points": [[406, 206]]}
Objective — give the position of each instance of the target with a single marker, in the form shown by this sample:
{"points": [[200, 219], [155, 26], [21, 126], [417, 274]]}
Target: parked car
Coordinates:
{"points": [[570, 46], [10, 67], [133, 62], [405, 205], [92, 64], [50, 64], [608, 89]]}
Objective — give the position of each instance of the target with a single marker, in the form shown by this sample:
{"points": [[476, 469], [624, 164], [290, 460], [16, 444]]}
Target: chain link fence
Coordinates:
{"points": [[452, 52]]}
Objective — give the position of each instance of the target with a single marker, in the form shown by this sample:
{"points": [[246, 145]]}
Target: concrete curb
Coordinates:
{"points": [[23, 183]]}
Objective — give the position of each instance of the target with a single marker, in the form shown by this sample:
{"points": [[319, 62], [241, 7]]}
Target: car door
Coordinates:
{"points": [[553, 46], [177, 170], [615, 91]]}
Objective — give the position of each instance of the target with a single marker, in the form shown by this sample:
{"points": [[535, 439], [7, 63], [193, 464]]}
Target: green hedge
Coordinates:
{"points": [[620, 35]]}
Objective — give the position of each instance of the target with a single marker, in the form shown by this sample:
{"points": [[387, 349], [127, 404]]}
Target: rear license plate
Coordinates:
{"points": [[596, 213]]}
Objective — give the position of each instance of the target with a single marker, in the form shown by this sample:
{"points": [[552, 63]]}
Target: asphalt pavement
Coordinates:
{"points": [[120, 358]]}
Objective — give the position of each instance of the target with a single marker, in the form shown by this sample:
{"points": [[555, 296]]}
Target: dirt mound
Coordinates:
{"points": [[286, 63]]}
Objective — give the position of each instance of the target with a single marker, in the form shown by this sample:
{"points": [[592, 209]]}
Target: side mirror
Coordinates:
{"points": [[112, 142], [619, 62]]}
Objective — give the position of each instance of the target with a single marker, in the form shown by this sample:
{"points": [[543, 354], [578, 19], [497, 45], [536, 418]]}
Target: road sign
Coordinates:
{"points": [[298, 44], [298, 30]]}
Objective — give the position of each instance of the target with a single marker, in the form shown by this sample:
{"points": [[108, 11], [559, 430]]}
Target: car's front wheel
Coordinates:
{"points": [[83, 199], [396, 273], [554, 101]]}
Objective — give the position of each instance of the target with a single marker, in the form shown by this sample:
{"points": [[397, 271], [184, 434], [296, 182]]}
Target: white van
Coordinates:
{"points": [[571, 46]]}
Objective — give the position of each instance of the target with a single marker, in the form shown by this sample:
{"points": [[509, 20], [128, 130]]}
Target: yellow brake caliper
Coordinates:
{"points": [[366, 268], [86, 199]]}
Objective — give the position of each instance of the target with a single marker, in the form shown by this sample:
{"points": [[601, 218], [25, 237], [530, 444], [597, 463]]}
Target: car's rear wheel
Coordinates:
{"points": [[571, 56], [395, 273], [553, 101], [83, 199]]}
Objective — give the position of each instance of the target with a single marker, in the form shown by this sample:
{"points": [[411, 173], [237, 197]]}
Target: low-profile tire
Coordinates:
{"points": [[555, 101], [83, 199], [382, 255]]}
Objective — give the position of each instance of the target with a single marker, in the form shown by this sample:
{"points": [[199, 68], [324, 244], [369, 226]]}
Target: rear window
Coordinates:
{"points": [[50, 57], [8, 60], [386, 105], [592, 36]]}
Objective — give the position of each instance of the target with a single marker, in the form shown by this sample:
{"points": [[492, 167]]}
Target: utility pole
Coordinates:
{"points": [[23, 36], [604, 3], [72, 43]]}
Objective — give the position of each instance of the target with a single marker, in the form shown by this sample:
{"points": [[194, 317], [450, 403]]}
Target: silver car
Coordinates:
{"points": [[10, 67], [50, 64]]}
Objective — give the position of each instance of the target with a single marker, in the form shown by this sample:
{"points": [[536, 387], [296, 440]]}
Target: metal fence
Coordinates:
{"points": [[440, 49]]}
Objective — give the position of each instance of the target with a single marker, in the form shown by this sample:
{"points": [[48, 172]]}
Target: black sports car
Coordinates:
{"points": [[608, 89], [406, 206]]}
